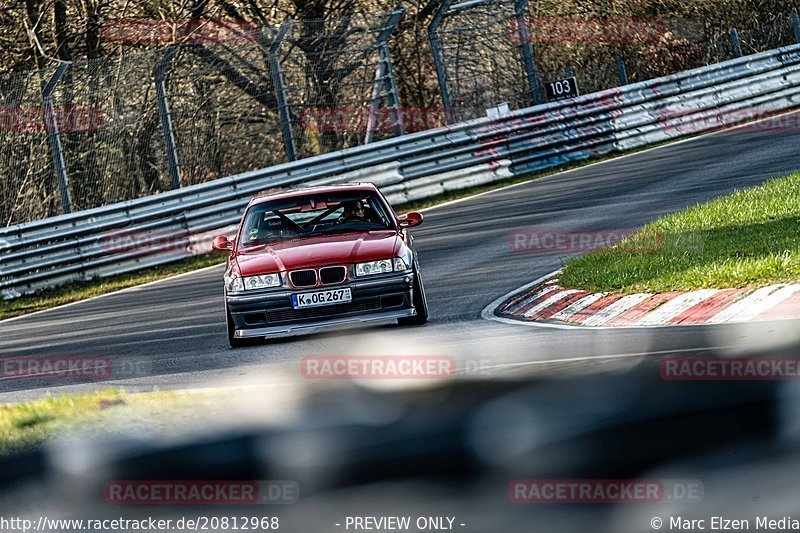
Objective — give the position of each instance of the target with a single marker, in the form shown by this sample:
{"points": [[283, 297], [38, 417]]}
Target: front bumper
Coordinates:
{"points": [[270, 312]]}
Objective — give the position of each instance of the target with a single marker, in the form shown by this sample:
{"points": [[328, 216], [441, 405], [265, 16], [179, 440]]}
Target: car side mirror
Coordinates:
{"points": [[221, 244], [410, 220]]}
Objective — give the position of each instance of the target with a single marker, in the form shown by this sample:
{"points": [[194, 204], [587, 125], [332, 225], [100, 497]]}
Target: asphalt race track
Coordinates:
{"points": [[171, 334]]}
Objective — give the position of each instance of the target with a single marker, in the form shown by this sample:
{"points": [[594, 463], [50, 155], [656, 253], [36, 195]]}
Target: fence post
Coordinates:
{"points": [[280, 90], [384, 79], [54, 136], [796, 25], [375, 101], [737, 45], [438, 61], [622, 71], [526, 49], [391, 94], [170, 144]]}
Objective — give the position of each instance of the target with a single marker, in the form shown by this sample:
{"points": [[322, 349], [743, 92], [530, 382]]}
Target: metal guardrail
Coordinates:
{"points": [[174, 225]]}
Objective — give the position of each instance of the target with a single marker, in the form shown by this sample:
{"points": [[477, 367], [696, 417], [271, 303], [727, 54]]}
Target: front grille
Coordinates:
{"points": [[289, 315], [303, 278], [329, 275]]}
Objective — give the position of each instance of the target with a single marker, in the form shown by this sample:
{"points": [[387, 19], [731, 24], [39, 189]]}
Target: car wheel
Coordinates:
{"points": [[420, 303], [232, 340]]}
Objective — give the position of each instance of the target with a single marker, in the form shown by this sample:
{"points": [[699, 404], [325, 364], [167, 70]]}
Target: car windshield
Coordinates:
{"points": [[315, 214]]}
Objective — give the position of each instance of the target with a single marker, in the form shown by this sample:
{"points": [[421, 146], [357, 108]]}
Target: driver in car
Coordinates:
{"points": [[353, 212]]}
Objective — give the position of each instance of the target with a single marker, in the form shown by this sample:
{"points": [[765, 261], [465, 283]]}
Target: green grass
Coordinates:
{"points": [[749, 238], [28, 424]]}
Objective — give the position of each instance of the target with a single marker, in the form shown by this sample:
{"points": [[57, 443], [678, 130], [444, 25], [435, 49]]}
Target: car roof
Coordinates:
{"points": [[321, 189]]}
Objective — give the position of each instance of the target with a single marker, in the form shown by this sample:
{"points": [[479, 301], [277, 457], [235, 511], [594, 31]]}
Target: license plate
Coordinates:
{"points": [[313, 299]]}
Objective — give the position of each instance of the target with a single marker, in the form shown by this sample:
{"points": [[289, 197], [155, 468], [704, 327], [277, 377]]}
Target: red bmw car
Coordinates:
{"points": [[318, 257]]}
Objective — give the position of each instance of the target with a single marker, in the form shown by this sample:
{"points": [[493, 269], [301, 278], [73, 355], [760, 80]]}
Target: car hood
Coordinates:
{"points": [[323, 250]]}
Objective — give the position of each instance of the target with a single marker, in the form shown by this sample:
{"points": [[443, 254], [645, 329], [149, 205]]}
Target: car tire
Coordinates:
{"points": [[232, 340], [420, 304]]}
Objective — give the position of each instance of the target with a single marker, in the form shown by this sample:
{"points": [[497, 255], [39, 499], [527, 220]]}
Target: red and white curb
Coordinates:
{"points": [[547, 301]]}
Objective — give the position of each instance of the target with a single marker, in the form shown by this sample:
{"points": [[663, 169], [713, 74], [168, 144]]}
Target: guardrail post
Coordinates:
{"points": [[438, 61], [54, 136], [735, 42], [384, 79], [280, 91], [170, 144], [526, 49], [622, 71], [796, 25]]}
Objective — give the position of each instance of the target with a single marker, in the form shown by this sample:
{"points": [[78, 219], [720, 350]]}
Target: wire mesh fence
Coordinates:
{"points": [[481, 54], [223, 107], [28, 188], [140, 123], [335, 86], [776, 33], [119, 153], [675, 52], [227, 97]]}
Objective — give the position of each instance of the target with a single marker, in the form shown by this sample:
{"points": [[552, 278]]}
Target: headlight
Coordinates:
{"points": [[397, 264], [233, 283], [374, 267], [400, 264], [262, 282]]}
